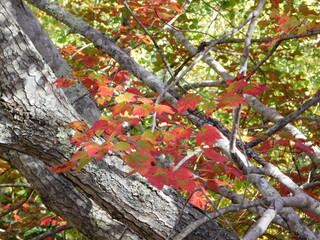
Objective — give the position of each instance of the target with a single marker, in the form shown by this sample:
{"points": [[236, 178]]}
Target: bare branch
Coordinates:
{"points": [[288, 37], [203, 84], [274, 116], [277, 204], [255, 13], [15, 185], [264, 221], [274, 48], [236, 198], [284, 121], [310, 185], [53, 232]]}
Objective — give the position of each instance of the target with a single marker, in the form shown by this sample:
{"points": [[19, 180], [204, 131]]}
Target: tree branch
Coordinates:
{"points": [[261, 40], [53, 232], [284, 121], [15, 185]]}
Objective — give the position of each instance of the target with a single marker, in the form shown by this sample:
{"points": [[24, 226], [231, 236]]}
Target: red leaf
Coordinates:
{"points": [[213, 186], [199, 200], [255, 89], [235, 172], [140, 161], [213, 155], [301, 144], [177, 134], [121, 76], [64, 82], [121, 108], [17, 217], [235, 86], [45, 221], [189, 101], [134, 90], [283, 19], [92, 148], [90, 61], [185, 181], [265, 146], [63, 167], [209, 135]]}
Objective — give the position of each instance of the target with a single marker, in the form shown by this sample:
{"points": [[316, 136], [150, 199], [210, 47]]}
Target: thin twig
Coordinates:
{"points": [[18, 205], [262, 40], [284, 121], [53, 232], [15, 185]]}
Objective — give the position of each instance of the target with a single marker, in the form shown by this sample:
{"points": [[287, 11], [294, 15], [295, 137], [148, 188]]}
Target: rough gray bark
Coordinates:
{"points": [[33, 114], [77, 94]]}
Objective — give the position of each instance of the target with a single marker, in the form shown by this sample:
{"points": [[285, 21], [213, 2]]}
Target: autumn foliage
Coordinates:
{"points": [[157, 139]]}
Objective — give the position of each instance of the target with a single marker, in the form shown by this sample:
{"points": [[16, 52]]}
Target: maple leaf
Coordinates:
{"points": [[134, 91], [92, 148], [265, 146], [45, 221], [121, 108], [233, 99], [234, 171], [63, 167], [160, 108], [90, 61], [255, 89], [79, 138], [122, 146], [235, 86], [213, 155], [188, 102], [105, 91], [160, 177], [209, 107], [302, 145], [141, 161], [78, 125], [199, 200], [144, 144], [142, 110], [151, 136], [121, 76], [208, 136], [184, 180], [126, 97], [91, 84], [17, 217], [177, 134], [64, 82]]}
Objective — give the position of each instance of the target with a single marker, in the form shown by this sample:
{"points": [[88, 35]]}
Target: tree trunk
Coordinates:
{"points": [[33, 115]]}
